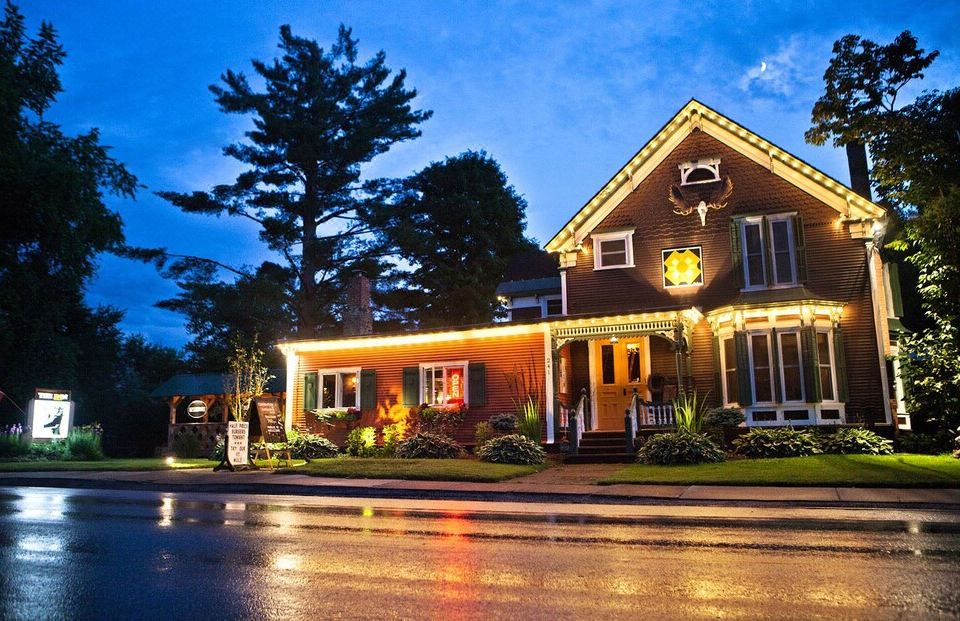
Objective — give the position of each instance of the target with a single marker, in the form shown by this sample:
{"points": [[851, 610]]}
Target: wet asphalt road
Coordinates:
{"points": [[83, 554]]}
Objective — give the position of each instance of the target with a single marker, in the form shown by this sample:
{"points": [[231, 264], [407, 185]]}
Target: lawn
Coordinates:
{"points": [[420, 469], [133, 464], [900, 470]]}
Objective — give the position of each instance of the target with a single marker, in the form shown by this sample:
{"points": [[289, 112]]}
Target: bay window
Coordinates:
{"points": [[729, 361], [762, 367], [825, 355], [791, 369]]}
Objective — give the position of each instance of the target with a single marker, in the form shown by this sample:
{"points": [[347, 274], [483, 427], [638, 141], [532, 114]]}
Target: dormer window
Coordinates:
{"points": [[700, 171], [613, 250]]}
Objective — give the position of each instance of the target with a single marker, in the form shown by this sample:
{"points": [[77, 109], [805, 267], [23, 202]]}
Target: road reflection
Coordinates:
{"points": [[85, 554]]}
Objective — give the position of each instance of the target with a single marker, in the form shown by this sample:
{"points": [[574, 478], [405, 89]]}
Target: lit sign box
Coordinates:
{"points": [[51, 414]]}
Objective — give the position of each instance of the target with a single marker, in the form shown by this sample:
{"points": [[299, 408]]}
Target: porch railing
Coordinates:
{"points": [[630, 420], [576, 423], [657, 414]]}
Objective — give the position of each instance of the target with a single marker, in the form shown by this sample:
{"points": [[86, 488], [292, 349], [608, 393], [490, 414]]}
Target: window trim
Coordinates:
{"points": [[455, 363], [791, 248], [338, 388], [744, 259], [626, 236], [753, 367], [782, 375], [723, 368], [833, 365], [544, 304]]}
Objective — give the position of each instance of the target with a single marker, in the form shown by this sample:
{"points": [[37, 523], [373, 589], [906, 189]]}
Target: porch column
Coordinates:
{"points": [[550, 381], [173, 409]]}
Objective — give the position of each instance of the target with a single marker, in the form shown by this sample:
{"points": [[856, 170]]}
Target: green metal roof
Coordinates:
{"points": [[533, 286], [196, 384]]}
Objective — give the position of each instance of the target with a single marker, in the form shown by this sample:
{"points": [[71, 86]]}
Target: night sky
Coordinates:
{"points": [[561, 94]]}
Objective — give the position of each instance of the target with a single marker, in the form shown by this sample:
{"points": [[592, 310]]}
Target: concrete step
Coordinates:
{"points": [[601, 458], [602, 450], [614, 444], [602, 434]]}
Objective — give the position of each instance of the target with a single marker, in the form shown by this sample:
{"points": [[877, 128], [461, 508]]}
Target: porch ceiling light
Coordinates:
{"points": [[614, 339]]}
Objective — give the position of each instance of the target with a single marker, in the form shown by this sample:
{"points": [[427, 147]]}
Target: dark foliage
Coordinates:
{"points": [[855, 441], [777, 442], [679, 447], [512, 449], [428, 446]]}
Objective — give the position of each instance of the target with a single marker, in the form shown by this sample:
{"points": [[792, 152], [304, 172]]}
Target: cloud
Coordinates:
{"points": [[795, 65]]}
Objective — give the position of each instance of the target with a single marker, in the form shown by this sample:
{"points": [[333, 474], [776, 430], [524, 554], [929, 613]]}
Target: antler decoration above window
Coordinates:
{"points": [[685, 204]]}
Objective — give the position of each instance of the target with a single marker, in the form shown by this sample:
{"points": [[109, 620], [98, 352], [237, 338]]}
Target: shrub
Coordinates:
{"points": [[84, 443], [309, 446], [392, 436], [186, 446], [503, 422], [362, 442], [777, 442], [512, 449], [679, 447], [219, 446], [14, 442], [329, 416], [441, 419], [928, 443], [689, 411], [52, 451], [483, 433], [855, 441], [724, 417], [529, 421], [426, 445]]}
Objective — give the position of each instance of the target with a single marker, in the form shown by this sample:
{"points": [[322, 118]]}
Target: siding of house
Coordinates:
{"points": [[501, 356], [836, 264]]}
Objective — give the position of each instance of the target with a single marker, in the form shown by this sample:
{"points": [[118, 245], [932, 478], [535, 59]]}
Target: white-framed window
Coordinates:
{"points": [[551, 306], [791, 367], [728, 367], [761, 366], [443, 383], [612, 250], [339, 388], [768, 251]]}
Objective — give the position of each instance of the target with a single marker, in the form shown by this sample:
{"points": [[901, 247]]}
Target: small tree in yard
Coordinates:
{"points": [[247, 380]]}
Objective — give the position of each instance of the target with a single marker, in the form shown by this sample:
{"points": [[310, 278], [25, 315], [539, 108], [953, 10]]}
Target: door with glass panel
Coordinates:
{"points": [[621, 367]]}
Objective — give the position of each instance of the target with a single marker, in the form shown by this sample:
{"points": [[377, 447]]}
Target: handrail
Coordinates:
{"points": [[575, 422], [657, 414], [630, 422]]}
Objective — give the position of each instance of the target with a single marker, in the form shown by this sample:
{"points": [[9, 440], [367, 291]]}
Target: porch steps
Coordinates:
{"points": [[601, 447]]}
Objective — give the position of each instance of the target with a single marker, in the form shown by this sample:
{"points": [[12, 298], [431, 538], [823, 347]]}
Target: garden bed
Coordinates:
{"points": [[417, 469], [899, 470]]}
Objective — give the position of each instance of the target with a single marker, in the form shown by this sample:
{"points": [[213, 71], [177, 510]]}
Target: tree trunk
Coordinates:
{"points": [[307, 320]]}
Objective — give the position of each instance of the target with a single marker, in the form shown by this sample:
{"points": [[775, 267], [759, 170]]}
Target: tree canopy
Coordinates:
{"points": [[320, 117], [456, 224]]}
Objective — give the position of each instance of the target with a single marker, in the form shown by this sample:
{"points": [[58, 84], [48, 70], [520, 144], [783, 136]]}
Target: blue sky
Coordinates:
{"points": [[561, 94]]}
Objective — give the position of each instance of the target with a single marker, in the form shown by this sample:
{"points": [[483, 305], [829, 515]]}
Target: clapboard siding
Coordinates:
{"points": [[836, 264], [501, 356]]}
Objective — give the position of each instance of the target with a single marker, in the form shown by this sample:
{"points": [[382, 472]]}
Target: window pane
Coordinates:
{"points": [[328, 391], [753, 244], [606, 364], [826, 368], [782, 253], [613, 252], [790, 359], [633, 363], [764, 416], [554, 307], [761, 368], [796, 415], [348, 390], [730, 366]]}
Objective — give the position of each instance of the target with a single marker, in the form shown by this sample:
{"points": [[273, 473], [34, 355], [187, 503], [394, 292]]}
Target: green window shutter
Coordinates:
{"points": [[736, 253], [743, 368], [811, 364], [775, 350], [411, 386], [477, 372], [800, 249], [841, 364], [893, 273], [368, 390], [310, 391], [717, 374]]}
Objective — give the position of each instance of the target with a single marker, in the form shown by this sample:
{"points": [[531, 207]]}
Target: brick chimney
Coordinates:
{"points": [[357, 314], [859, 173]]}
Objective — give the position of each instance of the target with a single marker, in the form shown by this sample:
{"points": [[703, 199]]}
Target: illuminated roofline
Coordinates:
{"points": [[697, 115]]}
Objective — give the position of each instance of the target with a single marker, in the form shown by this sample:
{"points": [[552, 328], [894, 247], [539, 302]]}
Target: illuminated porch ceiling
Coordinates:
{"points": [[669, 325], [695, 115]]}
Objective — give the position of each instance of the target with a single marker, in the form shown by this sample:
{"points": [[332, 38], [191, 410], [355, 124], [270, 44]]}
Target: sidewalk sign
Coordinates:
{"points": [[271, 425], [236, 450]]}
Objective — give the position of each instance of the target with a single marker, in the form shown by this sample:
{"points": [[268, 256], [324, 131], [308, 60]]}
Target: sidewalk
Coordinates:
{"points": [[507, 491]]}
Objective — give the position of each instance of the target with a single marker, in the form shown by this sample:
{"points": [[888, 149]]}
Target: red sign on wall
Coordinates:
{"points": [[455, 385]]}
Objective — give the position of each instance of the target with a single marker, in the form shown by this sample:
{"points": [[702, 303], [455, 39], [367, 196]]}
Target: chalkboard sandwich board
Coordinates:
{"points": [[270, 426]]}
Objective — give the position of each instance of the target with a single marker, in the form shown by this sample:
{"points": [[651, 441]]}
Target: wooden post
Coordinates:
{"points": [[572, 426]]}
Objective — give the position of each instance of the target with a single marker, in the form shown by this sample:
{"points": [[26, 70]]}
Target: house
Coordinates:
{"points": [[711, 261], [531, 287]]}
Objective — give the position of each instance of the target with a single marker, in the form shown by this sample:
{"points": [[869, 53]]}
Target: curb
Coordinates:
{"points": [[408, 493]]}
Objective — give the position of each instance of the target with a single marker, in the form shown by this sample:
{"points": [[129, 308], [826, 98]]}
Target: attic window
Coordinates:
{"points": [[700, 171]]}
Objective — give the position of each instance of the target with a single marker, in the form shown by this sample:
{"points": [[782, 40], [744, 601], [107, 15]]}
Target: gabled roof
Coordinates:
{"points": [[695, 115], [196, 384]]}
